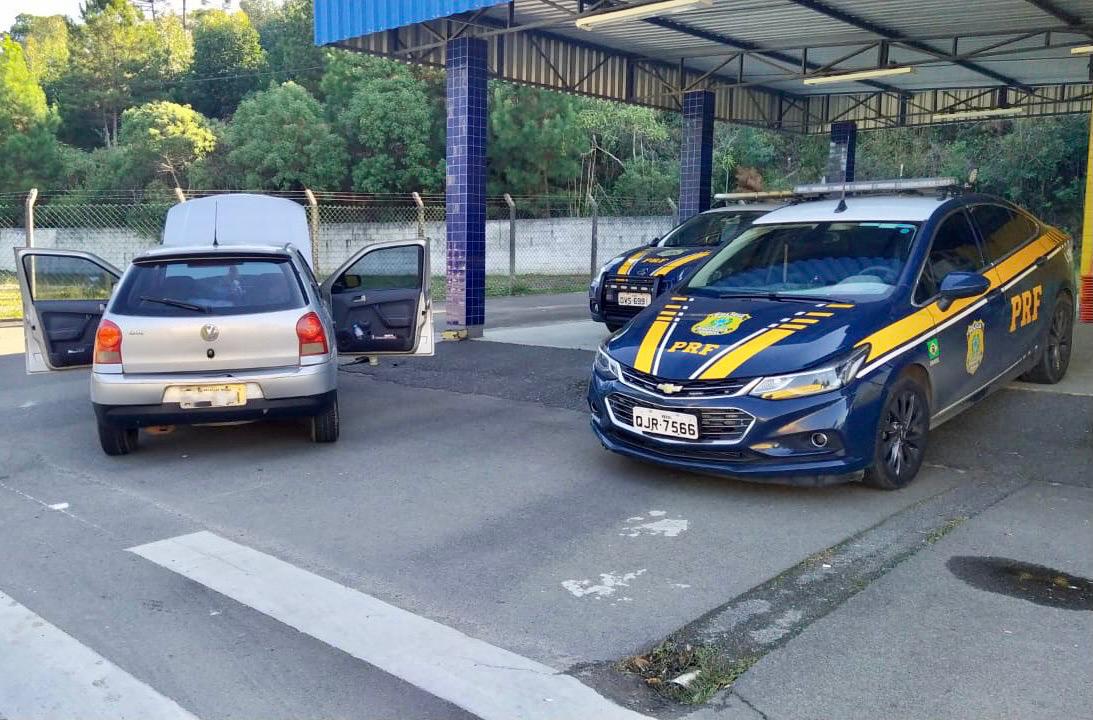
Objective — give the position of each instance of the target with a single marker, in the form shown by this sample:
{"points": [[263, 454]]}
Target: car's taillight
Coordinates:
{"points": [[309, 329], [108, 343]]}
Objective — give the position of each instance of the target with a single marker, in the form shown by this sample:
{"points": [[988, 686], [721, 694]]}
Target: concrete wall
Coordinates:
{"points": [[551, 246]]}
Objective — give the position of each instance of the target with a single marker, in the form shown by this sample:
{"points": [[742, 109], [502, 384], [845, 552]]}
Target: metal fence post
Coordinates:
{"points": [[313, 218], [595, 234], [675, 211], [181, 196], [28, 223], [420, 214], [512, 243]]}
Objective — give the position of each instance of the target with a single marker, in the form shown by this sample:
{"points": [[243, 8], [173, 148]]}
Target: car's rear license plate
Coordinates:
{"points": [[632, 299], [663, 422], [203, 396]]}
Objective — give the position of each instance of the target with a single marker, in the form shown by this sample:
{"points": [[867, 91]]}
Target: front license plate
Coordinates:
{"points": [[630, 299], [663, 422], [204, 396]]}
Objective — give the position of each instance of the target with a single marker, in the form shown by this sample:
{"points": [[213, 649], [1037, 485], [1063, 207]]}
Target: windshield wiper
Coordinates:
{"points": [[175, 303], [772, 296]]}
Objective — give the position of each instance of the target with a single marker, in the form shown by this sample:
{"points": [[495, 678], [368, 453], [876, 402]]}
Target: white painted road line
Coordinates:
{"points": [[490, 682], [46, 674]]}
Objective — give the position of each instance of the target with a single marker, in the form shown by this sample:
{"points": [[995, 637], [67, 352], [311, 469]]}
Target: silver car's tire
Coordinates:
{"points": [[116, 440], [325, 427]]}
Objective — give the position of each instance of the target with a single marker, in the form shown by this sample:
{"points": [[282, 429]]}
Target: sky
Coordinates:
{"points": [[10, 8]]}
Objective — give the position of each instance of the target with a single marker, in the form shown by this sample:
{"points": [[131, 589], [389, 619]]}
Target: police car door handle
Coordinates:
{"points": [[360, 299]]}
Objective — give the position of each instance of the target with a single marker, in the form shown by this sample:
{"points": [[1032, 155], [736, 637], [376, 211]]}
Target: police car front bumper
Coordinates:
{"points": [[778, 446]]}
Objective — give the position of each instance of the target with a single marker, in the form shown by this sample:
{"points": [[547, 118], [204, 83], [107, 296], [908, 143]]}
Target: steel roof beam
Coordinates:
{"points": [[890, 34], [1056, 12]]}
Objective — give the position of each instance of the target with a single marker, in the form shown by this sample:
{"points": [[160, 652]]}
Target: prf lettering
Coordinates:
{"points": [[694, 348], [1025, 307]]}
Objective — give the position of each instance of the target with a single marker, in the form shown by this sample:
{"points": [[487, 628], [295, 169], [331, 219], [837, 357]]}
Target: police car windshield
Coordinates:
{"points": [[861, 260], [709, 229]]}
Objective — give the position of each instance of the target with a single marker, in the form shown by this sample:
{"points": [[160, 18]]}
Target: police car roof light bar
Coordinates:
{"points": [[878, 186], [756, 195]]}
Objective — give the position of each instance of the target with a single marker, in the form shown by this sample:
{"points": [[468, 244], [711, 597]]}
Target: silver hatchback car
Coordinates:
{"points": [[221, 332]]}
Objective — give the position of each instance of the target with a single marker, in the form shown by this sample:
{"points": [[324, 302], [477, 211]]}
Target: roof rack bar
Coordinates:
{"points": [[758, 195], [878, 186]]}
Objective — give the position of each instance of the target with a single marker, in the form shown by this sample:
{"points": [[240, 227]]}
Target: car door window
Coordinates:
{"points": [[54, 277], [954, 249], [394, 268], [1003, 230]]}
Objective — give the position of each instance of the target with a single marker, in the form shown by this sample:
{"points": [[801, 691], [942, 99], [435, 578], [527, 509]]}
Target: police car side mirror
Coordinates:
{"points": [[957, 285], [654, 241]]}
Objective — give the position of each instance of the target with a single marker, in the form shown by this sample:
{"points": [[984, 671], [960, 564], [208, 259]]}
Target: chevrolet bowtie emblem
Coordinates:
{"points": [[669, 388]]}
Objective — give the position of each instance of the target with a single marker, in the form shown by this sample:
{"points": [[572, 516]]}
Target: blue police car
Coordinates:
{"points": [[824, 342], [630, 282]]}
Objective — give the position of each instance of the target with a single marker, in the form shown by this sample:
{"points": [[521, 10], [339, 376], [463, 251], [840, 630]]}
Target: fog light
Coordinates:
{"points": [[819, 440]]}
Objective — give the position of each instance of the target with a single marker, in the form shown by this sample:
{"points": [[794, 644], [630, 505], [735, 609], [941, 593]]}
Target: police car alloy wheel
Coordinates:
{"points": [[1055, 359], [901, 436]]}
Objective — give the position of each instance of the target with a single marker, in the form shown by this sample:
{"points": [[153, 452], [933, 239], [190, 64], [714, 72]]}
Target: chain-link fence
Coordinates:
{"points": [[534, 244]]}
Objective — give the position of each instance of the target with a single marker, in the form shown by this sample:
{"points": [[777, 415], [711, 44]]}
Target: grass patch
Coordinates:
{"points": [[11, 306], [687, 673], [951, 524], [530, 284]]}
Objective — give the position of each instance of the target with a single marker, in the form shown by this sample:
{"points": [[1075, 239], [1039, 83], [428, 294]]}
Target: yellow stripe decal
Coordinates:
{"points": [[627, 266], [843, 306], [793, 326], [726, 365], [891, 337], [680, 299], [672, 307], [815, 313], [648, 348], [665, 269], [806, 321]]}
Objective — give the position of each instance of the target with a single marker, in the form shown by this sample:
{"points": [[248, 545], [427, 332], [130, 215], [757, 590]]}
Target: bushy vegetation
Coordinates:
{"points": [[126, 99]]}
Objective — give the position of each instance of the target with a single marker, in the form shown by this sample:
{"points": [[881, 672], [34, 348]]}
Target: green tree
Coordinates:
{"points": [[45, 43], [279, 140], [118, 59], [29, 152], [287, 36], [388, 123], [535, 142], [164, 140], [618, 133], [228, 62]]}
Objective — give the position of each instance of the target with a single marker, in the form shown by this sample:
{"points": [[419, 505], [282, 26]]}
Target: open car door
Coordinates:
{"points": [[380, 301], [64, 295]]}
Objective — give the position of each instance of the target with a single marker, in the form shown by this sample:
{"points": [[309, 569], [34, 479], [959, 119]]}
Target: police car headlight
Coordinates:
{"points": [[607, 366], [812, 382]]}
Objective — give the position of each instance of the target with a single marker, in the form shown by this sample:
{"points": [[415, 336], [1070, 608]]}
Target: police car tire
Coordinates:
{"points": [[325, 427], [880, 475], [117, 441], [1052, 364]]}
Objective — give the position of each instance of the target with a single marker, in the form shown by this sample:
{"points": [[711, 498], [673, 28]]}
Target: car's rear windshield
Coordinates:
{"points": [[189, 286], [827, 259], [709, 229]]}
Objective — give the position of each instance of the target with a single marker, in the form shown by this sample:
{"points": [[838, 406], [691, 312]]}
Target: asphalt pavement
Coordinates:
{"points": [[469, 518]]}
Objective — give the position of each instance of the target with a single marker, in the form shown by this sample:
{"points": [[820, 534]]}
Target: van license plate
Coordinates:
{"points": [[630, 299], [204, 396], [662, 422]]}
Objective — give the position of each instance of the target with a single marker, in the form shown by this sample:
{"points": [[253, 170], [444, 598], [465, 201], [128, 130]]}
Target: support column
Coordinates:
{"points": [[1085, 313], [696, 161], [466, 186], [840, 154]]}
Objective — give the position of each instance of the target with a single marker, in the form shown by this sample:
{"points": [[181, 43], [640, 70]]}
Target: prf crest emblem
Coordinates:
{"points": [[721, 323], [975, 347]]}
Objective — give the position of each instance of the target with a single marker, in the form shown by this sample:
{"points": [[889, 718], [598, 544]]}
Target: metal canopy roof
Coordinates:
{"points": [[755, 54]]}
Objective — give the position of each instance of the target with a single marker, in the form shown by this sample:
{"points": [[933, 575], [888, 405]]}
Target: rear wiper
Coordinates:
{"points": [[175, 303]]}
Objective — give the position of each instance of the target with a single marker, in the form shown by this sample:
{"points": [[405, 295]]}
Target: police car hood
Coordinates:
{"points": [[658, 261], [691, 337]]}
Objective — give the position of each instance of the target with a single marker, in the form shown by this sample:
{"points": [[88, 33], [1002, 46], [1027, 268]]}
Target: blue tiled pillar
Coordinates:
{"points": [[840, 154], [466, 184], [696, 162]]}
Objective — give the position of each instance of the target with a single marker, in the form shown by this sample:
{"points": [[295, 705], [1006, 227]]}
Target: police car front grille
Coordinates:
{"points": [[627, 282], [725, 424], [690, 388]]}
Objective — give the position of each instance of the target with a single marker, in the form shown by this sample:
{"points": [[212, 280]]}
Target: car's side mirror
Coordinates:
{"points": [[350, 282], [654, 241], [957, 285]]}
